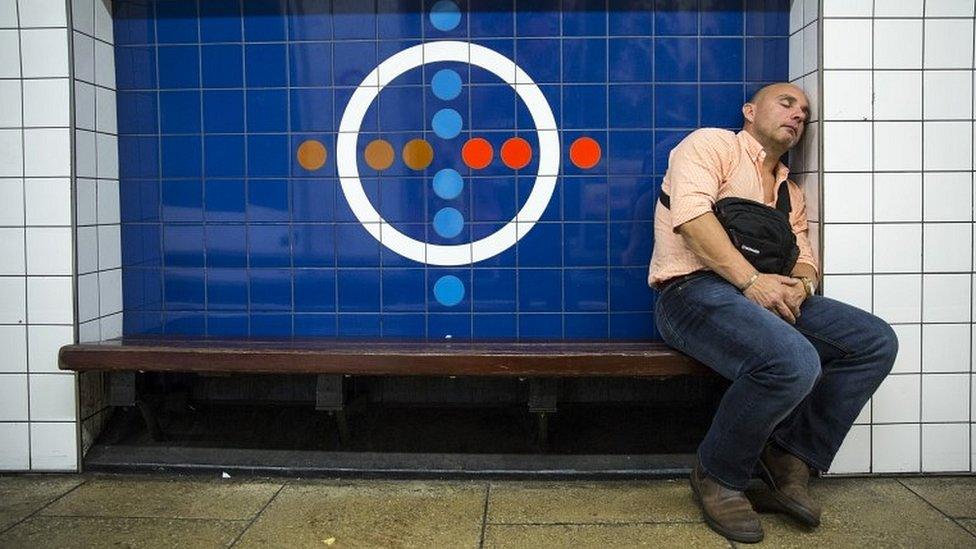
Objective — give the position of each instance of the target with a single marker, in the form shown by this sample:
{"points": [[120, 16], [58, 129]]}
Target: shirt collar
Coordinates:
{"points": [[756, 152]]}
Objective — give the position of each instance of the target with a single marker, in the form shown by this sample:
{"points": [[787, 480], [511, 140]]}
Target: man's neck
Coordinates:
{"points": [[773, 151]]}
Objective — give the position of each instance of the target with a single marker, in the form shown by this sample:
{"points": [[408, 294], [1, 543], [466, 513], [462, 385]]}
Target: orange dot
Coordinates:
{"points": [[379, 154], [418, 154], [516, 153], [311, 155], [585, 152], [477, 153]]}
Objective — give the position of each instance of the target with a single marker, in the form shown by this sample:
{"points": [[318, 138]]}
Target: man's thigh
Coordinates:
{"points": [[711, 321], [837, 329]]}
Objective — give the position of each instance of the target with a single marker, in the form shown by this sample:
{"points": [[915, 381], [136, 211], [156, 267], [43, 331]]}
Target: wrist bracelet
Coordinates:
{"points": [[752, 280]]}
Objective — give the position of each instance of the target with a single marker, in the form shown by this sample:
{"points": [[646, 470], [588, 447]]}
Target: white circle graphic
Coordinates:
{"points": [[348, 168]]}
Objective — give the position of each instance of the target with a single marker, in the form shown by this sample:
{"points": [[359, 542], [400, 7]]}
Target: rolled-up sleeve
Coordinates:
{"points": [[798, 221], [695, 171]]}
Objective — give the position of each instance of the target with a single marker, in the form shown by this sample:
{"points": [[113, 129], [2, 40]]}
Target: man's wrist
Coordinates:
{"points": [[748, 283], [808, 286]]}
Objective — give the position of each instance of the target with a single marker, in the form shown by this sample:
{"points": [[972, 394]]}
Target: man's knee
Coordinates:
{"points": [[882, 344], [794, 367]]}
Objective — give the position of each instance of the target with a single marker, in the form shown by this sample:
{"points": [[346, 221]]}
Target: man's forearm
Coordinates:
{"points": [[802, 269], [707, 238]]}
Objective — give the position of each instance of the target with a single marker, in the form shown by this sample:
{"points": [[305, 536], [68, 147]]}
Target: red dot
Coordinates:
{"points": [[585, 153], [477, 153], [516, 153]]}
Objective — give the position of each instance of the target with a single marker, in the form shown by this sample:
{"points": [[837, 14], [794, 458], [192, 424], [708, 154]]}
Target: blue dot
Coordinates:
{"points": [[448, 222], [446, 123], [448, 184], [449, 290], [446, 84], [445, 15]]}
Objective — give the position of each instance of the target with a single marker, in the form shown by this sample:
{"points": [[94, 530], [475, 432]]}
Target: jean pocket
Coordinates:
{"points": [[691, 278], [668, 333]]}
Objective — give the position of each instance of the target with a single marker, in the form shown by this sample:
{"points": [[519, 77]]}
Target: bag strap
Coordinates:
{"points": [[782, 201]]}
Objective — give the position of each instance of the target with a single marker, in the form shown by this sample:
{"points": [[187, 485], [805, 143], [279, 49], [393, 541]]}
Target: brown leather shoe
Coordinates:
{"points": [[787, 477], [726, 511]]}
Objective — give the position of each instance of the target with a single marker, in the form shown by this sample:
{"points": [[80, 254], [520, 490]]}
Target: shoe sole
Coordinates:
{"points": [[728, 534], [792, 508]]}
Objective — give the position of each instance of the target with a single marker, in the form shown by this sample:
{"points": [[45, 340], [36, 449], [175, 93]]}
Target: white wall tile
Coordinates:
{"points": [[45, 52], [53, 397], [897, 146], [898, 8], [847, 197], [85, 153], [811, 11], [109, 247], [88, 331], [897, 95], [87, 297], [847, 146], [54, 446], [810, 50], [948, 247], [47, 152], [897, 44], [909, 357], [106, 118], [108, 201], [42, 13], [83, 15], [84, 56], [847, 95], [10, 107], [12, 260], [112, 324], [948, 145], [948, 196], [948, 95], [809, 148], [897, 197], [84, 105], [847, 8], [796, 15], [13, 341], [11, 153], [948, 43], [8, 14], [110, 291], [86, 209], [811, 86], [945, 397], [104, 65], [103, 21], [898, 298], [847, 248], [897, 399], [946, 298], [9, 54], [49, 251], [50, 300], [851, 289], [108, 156], [847, 43], [44, 342], [854, 455], [864, 416], [945, 348], [87, 249], [795, 60], [898, 248], [895, 448], [14, 447], [13, 397], [949, 8], [48, 201], [11, 202], [945, 447], [13, 300]]}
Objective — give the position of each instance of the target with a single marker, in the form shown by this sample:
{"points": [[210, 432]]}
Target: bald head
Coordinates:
{"points": [[764, 91], [776, 115]]}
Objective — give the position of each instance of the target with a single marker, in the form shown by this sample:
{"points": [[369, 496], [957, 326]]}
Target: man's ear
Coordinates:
{"points": [[749, 112]]}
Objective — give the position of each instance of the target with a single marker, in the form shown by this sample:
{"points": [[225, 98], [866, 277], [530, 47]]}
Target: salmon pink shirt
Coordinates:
{"points": [[707, 166]]}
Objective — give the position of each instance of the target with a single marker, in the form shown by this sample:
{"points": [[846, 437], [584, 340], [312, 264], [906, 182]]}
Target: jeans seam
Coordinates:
{"points": [[802, 455], [847, 352]]}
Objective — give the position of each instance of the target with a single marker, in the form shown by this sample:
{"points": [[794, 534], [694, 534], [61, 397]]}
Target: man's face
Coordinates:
{"points": [[779, 114]]}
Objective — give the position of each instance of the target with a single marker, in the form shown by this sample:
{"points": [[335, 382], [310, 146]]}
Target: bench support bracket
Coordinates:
{"points": [[123, 391], [542, 404], [330, 397]]}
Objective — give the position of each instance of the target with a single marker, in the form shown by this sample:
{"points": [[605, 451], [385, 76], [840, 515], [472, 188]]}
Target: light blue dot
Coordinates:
{"points": [[448, 222], [445, 15], [449, 290], [448, 184], [446, 123], [446, 84]]}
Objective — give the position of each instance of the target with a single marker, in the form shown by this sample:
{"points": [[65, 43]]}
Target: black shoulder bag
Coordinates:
{"points": [[762, 234]]}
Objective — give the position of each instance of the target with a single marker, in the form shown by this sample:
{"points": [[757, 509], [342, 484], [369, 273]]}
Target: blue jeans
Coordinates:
{"points": [[800, 385]]}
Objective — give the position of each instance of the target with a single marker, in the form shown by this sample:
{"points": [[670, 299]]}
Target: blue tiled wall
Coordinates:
{"points": [[226, 234]]}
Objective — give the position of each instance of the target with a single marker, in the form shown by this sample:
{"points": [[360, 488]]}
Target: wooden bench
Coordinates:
{"points": [[541, 363]]}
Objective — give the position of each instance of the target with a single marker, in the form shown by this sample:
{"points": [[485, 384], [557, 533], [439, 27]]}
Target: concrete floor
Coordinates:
{"points": [[166, 511]]}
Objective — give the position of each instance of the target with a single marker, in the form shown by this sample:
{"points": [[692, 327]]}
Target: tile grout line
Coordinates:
{"points": [[484, 515], [257, 515], [43, 507], [930, 504]]}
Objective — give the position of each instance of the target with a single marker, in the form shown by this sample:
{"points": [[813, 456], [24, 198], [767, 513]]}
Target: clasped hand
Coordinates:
{"points": [[780, 294]]}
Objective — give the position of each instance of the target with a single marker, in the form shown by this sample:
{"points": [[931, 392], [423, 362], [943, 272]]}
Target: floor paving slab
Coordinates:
{"points": [[178, 498], [22, 495], [147, 533], [371, 514], [592, 502], [602, 535], [954, 496], [868, 513], [968, 524]]}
